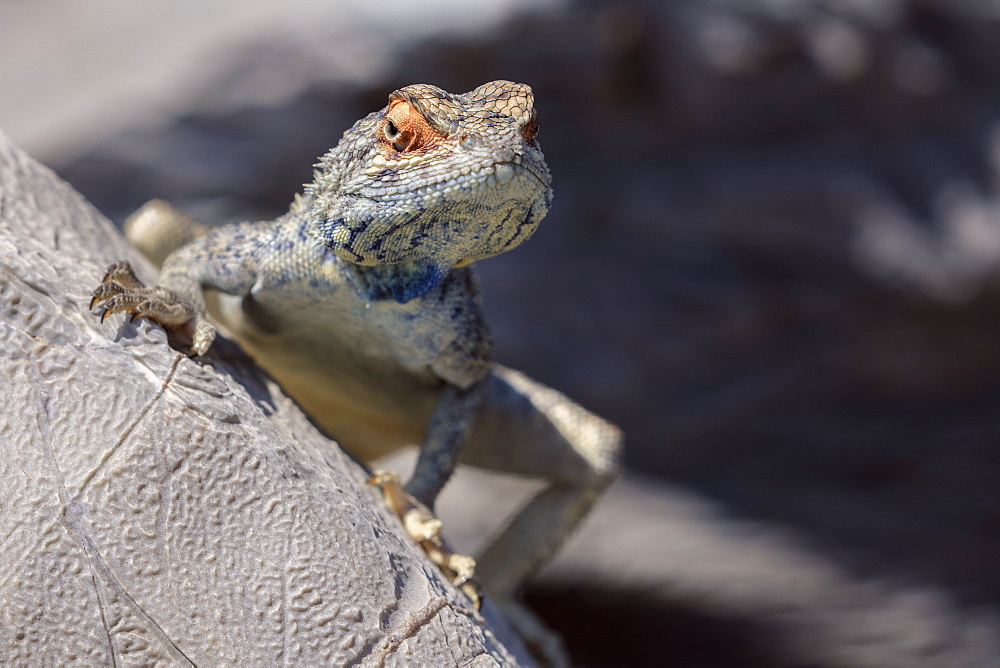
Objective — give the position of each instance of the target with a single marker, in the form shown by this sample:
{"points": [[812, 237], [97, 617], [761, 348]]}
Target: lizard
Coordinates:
{"points": [[361, 302]]}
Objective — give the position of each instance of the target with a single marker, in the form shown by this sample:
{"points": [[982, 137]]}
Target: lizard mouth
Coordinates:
{"points": [[457, 184], [469, 182]]}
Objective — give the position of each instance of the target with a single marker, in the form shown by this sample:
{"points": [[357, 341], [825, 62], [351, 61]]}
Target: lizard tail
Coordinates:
{"points": [[158, 229]]}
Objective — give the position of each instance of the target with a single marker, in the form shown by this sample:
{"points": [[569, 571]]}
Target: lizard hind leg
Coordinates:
{"points": [[528, 429]]}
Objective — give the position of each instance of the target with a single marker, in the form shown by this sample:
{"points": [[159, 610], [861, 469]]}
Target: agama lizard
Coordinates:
{"points": [[360, 302]]}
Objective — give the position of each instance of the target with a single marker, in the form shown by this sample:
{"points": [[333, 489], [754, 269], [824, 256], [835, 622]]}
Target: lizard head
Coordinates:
{"points": [[434, 179]]}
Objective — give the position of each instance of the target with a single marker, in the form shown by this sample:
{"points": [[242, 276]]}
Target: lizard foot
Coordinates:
{"points": [[122, 292], [425, 529]]}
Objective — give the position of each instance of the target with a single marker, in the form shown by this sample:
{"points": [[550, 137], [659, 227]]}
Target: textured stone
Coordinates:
{"points": [[159, 509]]}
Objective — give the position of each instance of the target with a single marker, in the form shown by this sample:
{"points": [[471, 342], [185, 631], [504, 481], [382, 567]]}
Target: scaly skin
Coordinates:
{"points": [[359, 301]]}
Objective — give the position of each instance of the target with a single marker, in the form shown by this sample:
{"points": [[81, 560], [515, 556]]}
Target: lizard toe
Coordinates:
{"points": [[122, 273], [425, 529]]}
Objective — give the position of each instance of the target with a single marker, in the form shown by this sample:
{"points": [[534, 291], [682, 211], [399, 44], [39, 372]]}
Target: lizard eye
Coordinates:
{"points": [[407, 130], [530, 129], [402, 139]]}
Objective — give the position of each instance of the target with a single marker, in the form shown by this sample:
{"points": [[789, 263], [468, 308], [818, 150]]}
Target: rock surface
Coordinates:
{"points": [[773, 259], [158, 509]]}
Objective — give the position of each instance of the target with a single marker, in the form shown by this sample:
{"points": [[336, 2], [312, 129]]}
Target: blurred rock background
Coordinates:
{"points": [[773, 259]]}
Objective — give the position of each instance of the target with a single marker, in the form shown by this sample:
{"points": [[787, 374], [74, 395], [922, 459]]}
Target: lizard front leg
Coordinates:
{"points": [[438, 458], [441, 447], [121, 291], [224, 260]]}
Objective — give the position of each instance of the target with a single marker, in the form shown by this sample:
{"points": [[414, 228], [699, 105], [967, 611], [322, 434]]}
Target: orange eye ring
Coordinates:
{"points": [[406, 130]]}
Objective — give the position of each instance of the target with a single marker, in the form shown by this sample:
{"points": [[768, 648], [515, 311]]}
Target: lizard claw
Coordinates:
{"points": [[425, 529], [105, 292], [120, 291]]}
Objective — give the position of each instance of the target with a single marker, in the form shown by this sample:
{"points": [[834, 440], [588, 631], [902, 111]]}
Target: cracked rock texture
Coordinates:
{"points": [[157, 509]]}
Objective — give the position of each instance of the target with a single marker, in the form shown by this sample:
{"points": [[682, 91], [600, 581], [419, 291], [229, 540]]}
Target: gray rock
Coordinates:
{"points": [[158, 509]]}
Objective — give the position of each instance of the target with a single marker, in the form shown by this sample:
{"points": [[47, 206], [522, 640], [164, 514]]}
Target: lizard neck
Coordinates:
{"points": [[401, 281]]}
